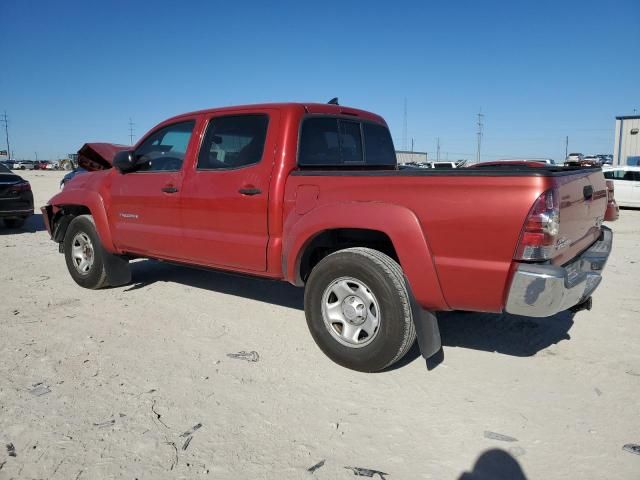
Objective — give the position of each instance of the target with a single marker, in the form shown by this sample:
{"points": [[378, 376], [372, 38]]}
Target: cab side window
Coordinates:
{"points": [[165, 149], [232, 142]]}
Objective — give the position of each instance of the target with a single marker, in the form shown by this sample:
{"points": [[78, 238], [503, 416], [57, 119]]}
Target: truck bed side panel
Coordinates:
{"points": [[471, 224]]}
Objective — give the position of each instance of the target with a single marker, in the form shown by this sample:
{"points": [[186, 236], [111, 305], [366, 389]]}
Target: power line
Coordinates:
{"points": [[4, 119], [131, 125], [480, 128]]}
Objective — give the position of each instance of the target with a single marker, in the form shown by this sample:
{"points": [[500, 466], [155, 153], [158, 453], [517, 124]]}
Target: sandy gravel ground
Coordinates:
{"points": [[136, 382]]}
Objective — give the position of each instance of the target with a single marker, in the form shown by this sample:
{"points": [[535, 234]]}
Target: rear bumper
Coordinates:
{"points": [[544, 290]]}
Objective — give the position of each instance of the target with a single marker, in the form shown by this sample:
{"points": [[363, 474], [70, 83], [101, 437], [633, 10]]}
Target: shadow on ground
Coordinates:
{"points": [[495, 464], [34, 224], [501, 333], [147, 272]]}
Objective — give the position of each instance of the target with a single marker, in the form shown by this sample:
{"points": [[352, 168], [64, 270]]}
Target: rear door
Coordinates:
{"points": [[225, 196], [145, 204]]}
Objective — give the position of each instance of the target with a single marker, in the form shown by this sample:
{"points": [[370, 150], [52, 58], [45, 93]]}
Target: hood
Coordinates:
{"points": [[98, 156]]}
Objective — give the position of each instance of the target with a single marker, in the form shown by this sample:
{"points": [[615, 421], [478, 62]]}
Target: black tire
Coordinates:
{"points": [[96, 276], [14, 222], [383, 276]]}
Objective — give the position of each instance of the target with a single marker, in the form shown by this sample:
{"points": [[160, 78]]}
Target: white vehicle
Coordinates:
{"points": [[593, 158], [23, 165], [574, 157], [626, 184], [52, 166], [442, 164]]}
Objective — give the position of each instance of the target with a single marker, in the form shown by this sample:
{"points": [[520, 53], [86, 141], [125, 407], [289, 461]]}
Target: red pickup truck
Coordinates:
{"points": [[311, 194]]}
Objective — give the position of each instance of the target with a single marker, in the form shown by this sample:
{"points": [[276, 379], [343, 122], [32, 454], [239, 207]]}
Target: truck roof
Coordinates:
{"points": [[317, 108]]}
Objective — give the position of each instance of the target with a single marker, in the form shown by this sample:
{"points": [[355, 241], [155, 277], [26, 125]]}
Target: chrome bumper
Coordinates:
{"points": [[544, 290]]}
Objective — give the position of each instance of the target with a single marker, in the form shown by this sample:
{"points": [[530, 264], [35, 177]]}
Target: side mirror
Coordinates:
{"points": [[124, 161]]}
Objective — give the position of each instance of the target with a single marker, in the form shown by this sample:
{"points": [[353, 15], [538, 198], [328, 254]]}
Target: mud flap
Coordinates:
{"points": [[117, 269], [427, 330]]}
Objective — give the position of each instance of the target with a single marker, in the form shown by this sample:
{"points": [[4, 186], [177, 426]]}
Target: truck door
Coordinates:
{"points": [[145, 204], [225, 197]]}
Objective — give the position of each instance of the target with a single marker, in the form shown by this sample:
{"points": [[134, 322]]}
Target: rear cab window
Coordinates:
{"points": [[327, 141]]}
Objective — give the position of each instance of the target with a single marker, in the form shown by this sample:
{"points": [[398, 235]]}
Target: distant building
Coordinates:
{"points": [[409, 157], [626, 145]]}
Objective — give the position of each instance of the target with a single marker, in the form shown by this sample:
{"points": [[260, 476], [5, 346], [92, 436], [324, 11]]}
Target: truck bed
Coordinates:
{"points": [[467, 216]]}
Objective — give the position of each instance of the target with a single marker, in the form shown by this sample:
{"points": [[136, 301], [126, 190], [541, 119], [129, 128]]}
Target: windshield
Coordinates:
{"points": [[4, 169]]}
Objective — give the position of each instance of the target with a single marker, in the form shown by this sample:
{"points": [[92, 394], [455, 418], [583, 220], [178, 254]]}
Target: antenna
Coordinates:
{"points": [[404, 126], [4, 119], [333, 101], [131, 125], [480, 129]]}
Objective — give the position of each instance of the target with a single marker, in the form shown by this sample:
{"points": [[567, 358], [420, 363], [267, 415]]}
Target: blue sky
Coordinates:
{"points": [[75, 71]]}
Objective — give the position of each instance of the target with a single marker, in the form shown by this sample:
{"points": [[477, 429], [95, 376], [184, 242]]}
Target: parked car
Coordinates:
{"points": [[596, 160], [605, 159], [23, 165], [626, 182], [442, 164], [72, 174], [264, 190], [16, 198], [53, 166], [577, 160], [41, 165]]}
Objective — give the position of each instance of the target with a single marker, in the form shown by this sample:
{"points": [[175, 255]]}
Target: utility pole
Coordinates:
{"points": [[412, 144], [438, 150], [404, 126], [36, 156], [480, 128], [5, 120], [131, 125], [566, 147]]}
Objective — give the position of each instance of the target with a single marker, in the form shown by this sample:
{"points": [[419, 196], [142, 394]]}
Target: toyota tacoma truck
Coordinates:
{"points": [[312, 194]]}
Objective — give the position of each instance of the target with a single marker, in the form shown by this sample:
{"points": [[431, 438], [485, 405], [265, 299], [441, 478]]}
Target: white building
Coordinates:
{"points": [[409, 157], [626, 145]]}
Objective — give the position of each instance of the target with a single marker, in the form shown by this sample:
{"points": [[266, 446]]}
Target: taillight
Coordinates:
{"points": [[20, 187], [538, 237]]}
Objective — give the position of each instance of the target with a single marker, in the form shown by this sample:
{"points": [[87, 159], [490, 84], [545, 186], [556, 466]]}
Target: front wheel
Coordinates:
{"points": [[83, 253], [358, 309]]}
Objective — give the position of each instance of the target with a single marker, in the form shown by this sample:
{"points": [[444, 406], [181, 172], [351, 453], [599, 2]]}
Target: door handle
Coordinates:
{"points": [[250, 191], [169, 189]]}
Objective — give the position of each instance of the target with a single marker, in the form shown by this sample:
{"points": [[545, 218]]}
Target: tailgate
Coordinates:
{"points": [[583, 201]]}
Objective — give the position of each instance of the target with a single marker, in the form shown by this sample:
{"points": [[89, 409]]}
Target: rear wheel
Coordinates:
{"points": [[358, 309], [83, 253], [14, 222]]}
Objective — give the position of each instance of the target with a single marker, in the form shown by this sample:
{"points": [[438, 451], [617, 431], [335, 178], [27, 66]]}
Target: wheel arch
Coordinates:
{"points": [[394, 229], [85, 203]]}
